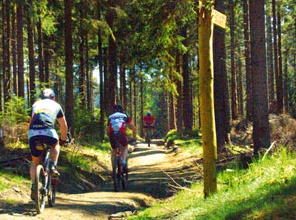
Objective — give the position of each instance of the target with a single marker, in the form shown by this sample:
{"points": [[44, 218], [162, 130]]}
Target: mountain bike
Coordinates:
{"points": [[45, 182], [119, 173]]}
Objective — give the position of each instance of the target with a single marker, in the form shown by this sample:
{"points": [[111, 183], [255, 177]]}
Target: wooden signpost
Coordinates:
{"points": [[219, 19], [207, 17]]}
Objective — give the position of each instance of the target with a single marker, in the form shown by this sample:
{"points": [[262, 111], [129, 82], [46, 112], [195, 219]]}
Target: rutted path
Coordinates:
{"points": [[151, 171]]}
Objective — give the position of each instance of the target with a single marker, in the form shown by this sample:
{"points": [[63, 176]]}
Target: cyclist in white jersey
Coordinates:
{"points": [[117, 123], [44, 114]]}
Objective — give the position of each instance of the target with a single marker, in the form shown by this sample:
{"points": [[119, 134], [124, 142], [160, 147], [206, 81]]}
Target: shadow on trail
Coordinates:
{"points": [[144, 152], [153, 173]]}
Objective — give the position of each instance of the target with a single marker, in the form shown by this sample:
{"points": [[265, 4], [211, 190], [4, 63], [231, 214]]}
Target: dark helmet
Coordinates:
{"points": [[118, 108], [148, 113], [48, 94]]}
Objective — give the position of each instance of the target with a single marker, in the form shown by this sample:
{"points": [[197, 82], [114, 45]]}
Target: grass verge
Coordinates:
{"points": [[264, 191]]}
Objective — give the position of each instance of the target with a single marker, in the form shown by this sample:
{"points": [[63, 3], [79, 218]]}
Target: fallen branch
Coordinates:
{"points": [[269, 149], [177, 185]]}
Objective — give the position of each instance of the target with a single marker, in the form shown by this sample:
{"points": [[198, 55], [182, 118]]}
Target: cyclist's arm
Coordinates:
{"points": [[63, 127]]}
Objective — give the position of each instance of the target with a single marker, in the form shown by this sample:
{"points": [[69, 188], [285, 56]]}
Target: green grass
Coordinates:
{"points": [[81, 156], [7, 179], [267, 190]]}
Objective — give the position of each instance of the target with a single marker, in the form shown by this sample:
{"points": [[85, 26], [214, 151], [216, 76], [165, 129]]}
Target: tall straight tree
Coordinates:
{"points": [[187, 99], [3, 52], [82, 35], [261, 136], [112, 60], [6, 53], [20, 50], [278, 79], [14, 48], [179, 83], [102, 89], [270, 63], [221, 90], [234, 105], [69, 63], [40, 48], [206, 94], [30, 40], [280, 60]]}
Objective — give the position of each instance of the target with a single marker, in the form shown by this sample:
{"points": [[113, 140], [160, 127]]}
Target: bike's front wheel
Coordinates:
{"points": [[40, 189]]}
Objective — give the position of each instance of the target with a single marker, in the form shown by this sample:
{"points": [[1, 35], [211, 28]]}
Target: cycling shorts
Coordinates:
{"points": [[148, 125], [116, 138], [35, 140]]}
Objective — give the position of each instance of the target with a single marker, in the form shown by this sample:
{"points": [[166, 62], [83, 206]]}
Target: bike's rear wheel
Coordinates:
{"points": [[52, 191], [115, 181], [124, 179], [148, 138], [40, 190]]}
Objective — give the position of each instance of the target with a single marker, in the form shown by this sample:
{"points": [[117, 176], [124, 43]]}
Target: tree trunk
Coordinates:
{"points": [[276, 61], [142, 106], [261, 136], [112, 59], [281, 83], [187, 100], [89, 76], [6, 58], [234, 106], [135, 103], [20, 51], [207, 111], [81, 58], [269, 59], [240, 91], [14, 49], [172, 119], [102, 88], [40, 50], [179, 111], [31, 53], [221, 90], [69, 64], [247, 52]]}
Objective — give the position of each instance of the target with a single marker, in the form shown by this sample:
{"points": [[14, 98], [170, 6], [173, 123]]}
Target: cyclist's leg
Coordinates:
{"points": [[121, 137], [35, 155], [54, 153], [113, 143], [125, 155], [113, 156], [35, 162]]}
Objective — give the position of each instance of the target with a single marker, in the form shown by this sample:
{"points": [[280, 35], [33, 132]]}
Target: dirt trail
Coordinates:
{"points": [[151, 172]]}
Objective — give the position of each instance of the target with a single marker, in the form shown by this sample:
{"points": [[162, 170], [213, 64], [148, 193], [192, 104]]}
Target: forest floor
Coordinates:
{"points": [[156, 173]]}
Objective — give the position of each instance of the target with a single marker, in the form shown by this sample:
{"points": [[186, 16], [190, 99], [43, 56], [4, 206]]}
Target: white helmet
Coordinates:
{"points": [[48, 94]]}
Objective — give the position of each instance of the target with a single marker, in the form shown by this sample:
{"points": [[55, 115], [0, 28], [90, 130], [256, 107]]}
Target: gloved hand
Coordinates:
{"points": [[63, 142]]}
